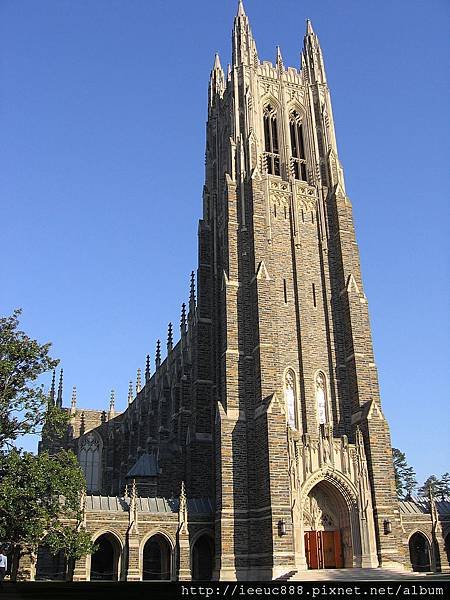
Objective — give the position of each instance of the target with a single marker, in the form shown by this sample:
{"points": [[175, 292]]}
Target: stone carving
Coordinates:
{"points": [[321, 399]]}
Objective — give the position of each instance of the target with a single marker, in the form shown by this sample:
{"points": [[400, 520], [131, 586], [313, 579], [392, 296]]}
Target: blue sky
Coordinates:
{"points": [[102, 120]]}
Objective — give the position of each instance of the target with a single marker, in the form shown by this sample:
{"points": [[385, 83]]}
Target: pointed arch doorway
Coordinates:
{"points": [[327, 529]]}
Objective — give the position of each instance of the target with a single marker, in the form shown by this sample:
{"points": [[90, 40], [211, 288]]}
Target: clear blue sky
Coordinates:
{"points": [[102, 121]]}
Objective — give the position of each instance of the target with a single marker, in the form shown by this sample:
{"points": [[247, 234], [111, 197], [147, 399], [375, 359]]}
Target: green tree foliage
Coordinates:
{"points": [[40, 496], [40, 499], [439, 487], [405, 477], [24, 407]]}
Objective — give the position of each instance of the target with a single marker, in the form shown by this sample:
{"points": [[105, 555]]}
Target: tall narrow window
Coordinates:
{"points": [[290, 396], [89, 455], [321, 399], [298, 160], [272, 153]]}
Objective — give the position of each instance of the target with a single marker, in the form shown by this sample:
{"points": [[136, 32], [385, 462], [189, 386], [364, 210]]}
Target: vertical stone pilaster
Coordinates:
{"points": [[80, 569]]}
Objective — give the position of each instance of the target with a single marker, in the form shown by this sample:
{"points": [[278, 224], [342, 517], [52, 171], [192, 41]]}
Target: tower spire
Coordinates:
{"points": [[59, 399], [216, 81], [244, 47], [312, 56], [241, 10], [130, 392]]}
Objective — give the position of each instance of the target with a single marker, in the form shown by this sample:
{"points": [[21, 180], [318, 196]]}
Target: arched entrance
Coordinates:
{"points": [[105, 560], [419, 552], [447, 547], [157, 559], [327, 528], [202, 559], [50, 567]]}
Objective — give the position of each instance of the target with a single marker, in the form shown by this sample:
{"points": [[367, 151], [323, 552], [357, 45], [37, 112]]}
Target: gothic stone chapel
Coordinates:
{"points": [[258, 447]]}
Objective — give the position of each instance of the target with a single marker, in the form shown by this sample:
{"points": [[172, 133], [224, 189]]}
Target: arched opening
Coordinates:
{"points": [[89, 456], [419, 552], [447, 547], [105, 560], [50, 567], [202, 559], [157, 559], [327, 528]]}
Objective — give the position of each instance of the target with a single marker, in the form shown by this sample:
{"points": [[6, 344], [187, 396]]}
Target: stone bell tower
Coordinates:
{"points": [[303, 464]]}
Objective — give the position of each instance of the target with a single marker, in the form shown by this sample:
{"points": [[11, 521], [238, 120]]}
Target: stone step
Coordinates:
{"points": [[350, 574]]}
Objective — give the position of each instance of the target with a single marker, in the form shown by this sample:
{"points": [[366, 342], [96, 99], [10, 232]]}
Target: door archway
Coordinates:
{"points": [[419, 552], [157, 559], [327, 528], [202, 558], [105, 561]]}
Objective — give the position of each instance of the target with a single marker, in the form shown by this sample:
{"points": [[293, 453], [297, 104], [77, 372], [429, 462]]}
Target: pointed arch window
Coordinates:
{"points": [[290, 397], [298, 158], [321, 399], [89, 456], [272, 150]]}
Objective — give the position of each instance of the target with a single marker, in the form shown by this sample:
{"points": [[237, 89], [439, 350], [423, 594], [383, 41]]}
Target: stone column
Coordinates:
{"points": [[184, 557], [80, 569], [27, 567], [133, 571]]}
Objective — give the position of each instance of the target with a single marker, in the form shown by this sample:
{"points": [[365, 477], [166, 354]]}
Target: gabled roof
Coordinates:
{"points": [[145, 466]]}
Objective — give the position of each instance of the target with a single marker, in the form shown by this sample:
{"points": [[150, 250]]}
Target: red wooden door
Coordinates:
{"points": [[311, 548], [329, 554], [338, 550]]}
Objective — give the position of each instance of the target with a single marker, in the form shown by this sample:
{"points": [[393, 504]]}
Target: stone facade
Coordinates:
{"points": [[262, 432]]}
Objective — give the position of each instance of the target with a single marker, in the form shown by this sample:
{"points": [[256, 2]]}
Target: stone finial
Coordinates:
{"points": [[53, 388], [309, 28], [182, 510], [130, 392], [112, 403], [183, 319], [192, 293], [133, 514], [138, 381], [158, 354], [73, 402], [279, 63], [241, 10], [170, 337], [59, 399], [147, 368]]}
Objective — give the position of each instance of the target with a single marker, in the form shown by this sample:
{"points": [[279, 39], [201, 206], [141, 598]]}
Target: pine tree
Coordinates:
{"points": [[405, 477]]}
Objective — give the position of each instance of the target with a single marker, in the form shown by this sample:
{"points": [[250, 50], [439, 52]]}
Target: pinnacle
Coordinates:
{"points": [[309, 29], [217, 64], [241, 11]]}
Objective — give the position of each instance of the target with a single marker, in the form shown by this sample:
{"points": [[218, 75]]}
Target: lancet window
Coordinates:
{"points": [[321, 398], [272, 151], [89, 456], [290, 396], [298, 157]]}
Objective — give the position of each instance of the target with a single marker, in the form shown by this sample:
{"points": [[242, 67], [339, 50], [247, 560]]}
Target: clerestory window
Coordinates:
{"points": [[272, 151], [298, 158]]}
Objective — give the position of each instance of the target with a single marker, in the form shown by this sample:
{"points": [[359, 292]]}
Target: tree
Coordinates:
{"points": [[24, 407], [40, 499], [405, 477], [439, 487]]}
